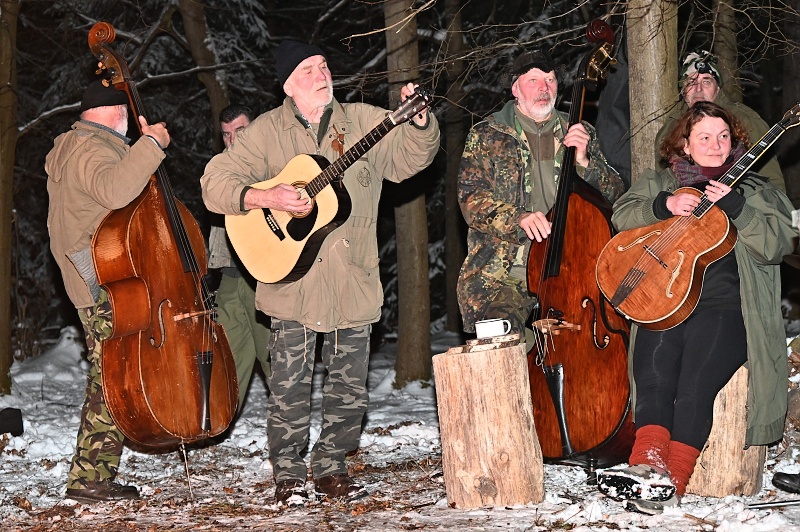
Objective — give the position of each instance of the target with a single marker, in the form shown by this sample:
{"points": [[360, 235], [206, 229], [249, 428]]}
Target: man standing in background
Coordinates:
{"points": [[701, 81], [247, 329]]}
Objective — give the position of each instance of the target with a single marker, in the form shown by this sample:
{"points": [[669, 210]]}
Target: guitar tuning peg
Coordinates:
{"points": [[98, 71]]}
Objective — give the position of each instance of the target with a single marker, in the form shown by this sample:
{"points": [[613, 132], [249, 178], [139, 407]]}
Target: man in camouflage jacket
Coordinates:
{"points": [[507, 182]]}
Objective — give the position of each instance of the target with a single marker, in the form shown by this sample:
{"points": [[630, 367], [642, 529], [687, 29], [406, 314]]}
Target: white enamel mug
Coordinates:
{"points": [[489, 328]]}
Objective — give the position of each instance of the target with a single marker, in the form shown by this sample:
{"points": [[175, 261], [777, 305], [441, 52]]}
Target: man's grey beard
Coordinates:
{"points": [[121, 126], [538, 117]]}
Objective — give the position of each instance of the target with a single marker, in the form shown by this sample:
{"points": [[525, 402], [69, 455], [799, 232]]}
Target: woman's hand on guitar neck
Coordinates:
{"points": [[281, 197]]}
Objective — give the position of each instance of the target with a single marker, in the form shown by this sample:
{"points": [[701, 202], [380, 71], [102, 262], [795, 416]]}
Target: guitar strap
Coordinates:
{"points": [[338, 141], [338, 146]]}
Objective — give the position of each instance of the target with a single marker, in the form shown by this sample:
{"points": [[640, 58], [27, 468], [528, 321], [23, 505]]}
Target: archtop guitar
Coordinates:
{"points": [[654, 274]]}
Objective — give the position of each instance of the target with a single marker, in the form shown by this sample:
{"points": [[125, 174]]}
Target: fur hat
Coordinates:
{"points": [[291, 53], [98, 94], [528, 59], [700, 62]]}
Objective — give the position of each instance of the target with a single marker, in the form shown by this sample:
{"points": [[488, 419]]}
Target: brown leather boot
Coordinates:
{"points": [[339, 486], [103, 490], [291, 492]]}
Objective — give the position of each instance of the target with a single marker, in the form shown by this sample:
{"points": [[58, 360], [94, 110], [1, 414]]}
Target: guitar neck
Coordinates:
{"points": [[744, 163], [747, 160], [349, 157]]}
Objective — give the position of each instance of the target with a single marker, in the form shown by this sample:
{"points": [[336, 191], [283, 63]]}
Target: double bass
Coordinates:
{"points": [[168, 374], [578, 365]]}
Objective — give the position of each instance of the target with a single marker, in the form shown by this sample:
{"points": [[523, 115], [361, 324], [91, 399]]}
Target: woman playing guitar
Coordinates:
{"points": [[678, 372]]}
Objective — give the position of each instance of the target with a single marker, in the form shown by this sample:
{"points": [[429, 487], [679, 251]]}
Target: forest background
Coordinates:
{"points": [[192, 58]]}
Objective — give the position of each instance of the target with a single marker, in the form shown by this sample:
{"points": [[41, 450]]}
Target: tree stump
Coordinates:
{"points": [[490, 452], [725, 467]]}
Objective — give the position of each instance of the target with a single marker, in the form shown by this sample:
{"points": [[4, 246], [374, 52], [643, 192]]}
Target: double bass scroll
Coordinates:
{"points": [[167, 370], [579, 377]]}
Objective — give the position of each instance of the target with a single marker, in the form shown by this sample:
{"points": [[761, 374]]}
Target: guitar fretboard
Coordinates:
{"points": [[344, 162], [745, 162]]}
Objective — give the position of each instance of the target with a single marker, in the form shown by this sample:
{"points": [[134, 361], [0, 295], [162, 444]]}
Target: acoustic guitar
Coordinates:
{"points": [[278, 246], [654, 274]]}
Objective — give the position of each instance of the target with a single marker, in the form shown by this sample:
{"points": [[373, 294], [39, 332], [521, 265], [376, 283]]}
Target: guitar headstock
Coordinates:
{"points": [[792, 117], [420, 100]]}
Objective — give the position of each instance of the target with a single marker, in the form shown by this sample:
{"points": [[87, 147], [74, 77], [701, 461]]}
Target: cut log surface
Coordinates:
{"points": [[725, 467], [490, 452]]}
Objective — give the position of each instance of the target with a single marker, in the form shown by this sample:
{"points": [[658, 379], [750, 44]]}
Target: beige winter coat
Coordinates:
{"points": [[91, 171], [342, 289]]}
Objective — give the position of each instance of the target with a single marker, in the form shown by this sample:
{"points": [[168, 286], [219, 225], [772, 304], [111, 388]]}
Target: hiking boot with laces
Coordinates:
{"points": [[339, 486], [291, 492], [646, 507]]}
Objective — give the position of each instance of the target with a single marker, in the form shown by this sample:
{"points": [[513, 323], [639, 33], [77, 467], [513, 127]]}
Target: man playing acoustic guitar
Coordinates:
{"points": [[340, 294]]}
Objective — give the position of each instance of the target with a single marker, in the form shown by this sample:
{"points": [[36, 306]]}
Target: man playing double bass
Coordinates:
{"points": [[507, 183], [92, 170]]}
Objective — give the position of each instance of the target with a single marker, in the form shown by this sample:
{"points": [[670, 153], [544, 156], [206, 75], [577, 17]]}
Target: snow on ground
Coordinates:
{"points": [[227, 485]]}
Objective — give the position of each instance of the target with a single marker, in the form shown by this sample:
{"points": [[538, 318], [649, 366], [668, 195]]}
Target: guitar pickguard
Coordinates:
{"points": [[299, 228]]}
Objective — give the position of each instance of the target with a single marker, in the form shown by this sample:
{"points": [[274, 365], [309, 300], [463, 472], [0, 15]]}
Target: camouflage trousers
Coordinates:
{"points": [[99, 446], [512, 302], [345, 355]]}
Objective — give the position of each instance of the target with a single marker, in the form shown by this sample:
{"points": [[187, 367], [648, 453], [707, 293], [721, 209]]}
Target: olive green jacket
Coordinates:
{"points": [[342, 289], [765, 235]]}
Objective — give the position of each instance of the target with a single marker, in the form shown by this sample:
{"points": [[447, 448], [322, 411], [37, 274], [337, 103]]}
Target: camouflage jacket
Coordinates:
{"points": [[494, 185]]}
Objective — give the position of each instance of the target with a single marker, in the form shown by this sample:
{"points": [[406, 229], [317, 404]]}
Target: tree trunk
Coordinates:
{"points": [[652, 32], [194, 21], [8, 143], [455, 134], [490, 452], [726, 50], [411, 221], [789, 155], [725, 467]]}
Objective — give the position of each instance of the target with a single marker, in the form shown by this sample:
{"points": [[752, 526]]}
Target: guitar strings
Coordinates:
{"points": [[638, 271]]}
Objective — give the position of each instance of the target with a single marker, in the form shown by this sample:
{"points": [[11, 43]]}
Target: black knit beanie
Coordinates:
{"points": [[291, 53], [97, 94]]}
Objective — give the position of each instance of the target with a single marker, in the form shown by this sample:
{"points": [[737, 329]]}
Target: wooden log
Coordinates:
{"points": [[725, 467], [490, 452]]}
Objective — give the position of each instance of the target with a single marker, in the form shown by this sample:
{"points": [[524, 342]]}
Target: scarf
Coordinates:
{"points": [[689, 173]]}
